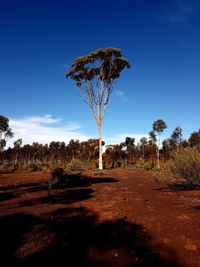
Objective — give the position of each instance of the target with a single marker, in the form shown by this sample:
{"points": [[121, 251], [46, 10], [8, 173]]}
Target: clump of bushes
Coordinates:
{"points": [[186, 164], [78, 165], [6, 168], [75, 165], [33, 167], [148, 166]]}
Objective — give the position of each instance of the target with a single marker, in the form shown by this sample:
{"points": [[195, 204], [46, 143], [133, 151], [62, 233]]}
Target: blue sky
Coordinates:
{"points": [[40, 39]]}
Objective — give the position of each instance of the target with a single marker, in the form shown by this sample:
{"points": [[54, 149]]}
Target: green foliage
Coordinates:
{"points": [[148, 166], [78, 165], [87, 67], [186, 164], [159, 126], [162, 175], [6, 168]]}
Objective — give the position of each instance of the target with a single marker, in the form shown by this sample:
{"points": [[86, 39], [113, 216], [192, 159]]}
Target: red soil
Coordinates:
{"points": [[122, 218]]}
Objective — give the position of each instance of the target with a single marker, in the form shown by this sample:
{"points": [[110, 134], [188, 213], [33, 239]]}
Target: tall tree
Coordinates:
{"points": [[5, 132], [176, 136], [95, 74], [158, 128]]}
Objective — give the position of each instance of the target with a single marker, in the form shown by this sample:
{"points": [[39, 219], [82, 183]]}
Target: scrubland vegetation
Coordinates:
{"points": [[178, 157]]}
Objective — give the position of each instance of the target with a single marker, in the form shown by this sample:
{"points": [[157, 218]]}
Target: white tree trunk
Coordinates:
{"points": [[100, 147], [158, 153]]}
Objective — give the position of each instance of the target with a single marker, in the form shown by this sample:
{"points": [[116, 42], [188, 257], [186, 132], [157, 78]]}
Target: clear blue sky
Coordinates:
{"points": [[40, 38]]}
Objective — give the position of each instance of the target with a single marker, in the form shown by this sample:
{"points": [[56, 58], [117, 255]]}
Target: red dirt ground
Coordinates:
{"points": [[122, 218]]}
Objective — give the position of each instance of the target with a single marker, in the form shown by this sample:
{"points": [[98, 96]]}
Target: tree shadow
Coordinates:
{"points": [[79, 180], [61, 197], [12, 229], [22, 185], [197, 207], [72, 188], [5, 172], [98, 180], [183, 186], [67, 180], [7, 196], [74, 237], [178, 186], [9, 192]]}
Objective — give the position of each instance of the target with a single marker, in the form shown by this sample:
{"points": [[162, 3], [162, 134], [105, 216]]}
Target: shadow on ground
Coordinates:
{"points": [[74, 237], [178, 186], [22, 185], [79, 180], [7, 196], [76, 187], [67, 196]]}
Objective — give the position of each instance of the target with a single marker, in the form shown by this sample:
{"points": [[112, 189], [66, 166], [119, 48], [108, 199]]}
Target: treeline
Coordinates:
{"points": [[55, 152], [125, 153], [146, 150]]}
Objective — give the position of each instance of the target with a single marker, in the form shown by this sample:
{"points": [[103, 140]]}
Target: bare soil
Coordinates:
{"points": [[111, 218]]}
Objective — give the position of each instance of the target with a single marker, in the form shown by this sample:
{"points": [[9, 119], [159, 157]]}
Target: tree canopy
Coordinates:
{"points": [[95, 74]]}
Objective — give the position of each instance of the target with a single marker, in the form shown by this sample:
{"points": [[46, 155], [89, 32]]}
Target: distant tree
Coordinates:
{"points": [[5, 132], [152, 144], [73, 146], [158, 127], [167, 148], [143, 144], [95, 75], [129, 145], [194, 139], [176, 136], [17, 144], [114, 154]]}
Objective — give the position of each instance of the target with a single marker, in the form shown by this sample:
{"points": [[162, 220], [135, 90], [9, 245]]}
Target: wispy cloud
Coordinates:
{"points": [[44, 129], [120, 94], [182, 10]]}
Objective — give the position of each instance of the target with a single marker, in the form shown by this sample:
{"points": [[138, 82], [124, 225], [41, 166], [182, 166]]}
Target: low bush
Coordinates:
{"points": [[148, 166], [186, 164], [76, 165], [32, 167], [6, 168]]}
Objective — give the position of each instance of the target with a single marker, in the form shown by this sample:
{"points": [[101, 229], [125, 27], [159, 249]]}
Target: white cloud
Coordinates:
{"points": [[44, 129]]}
